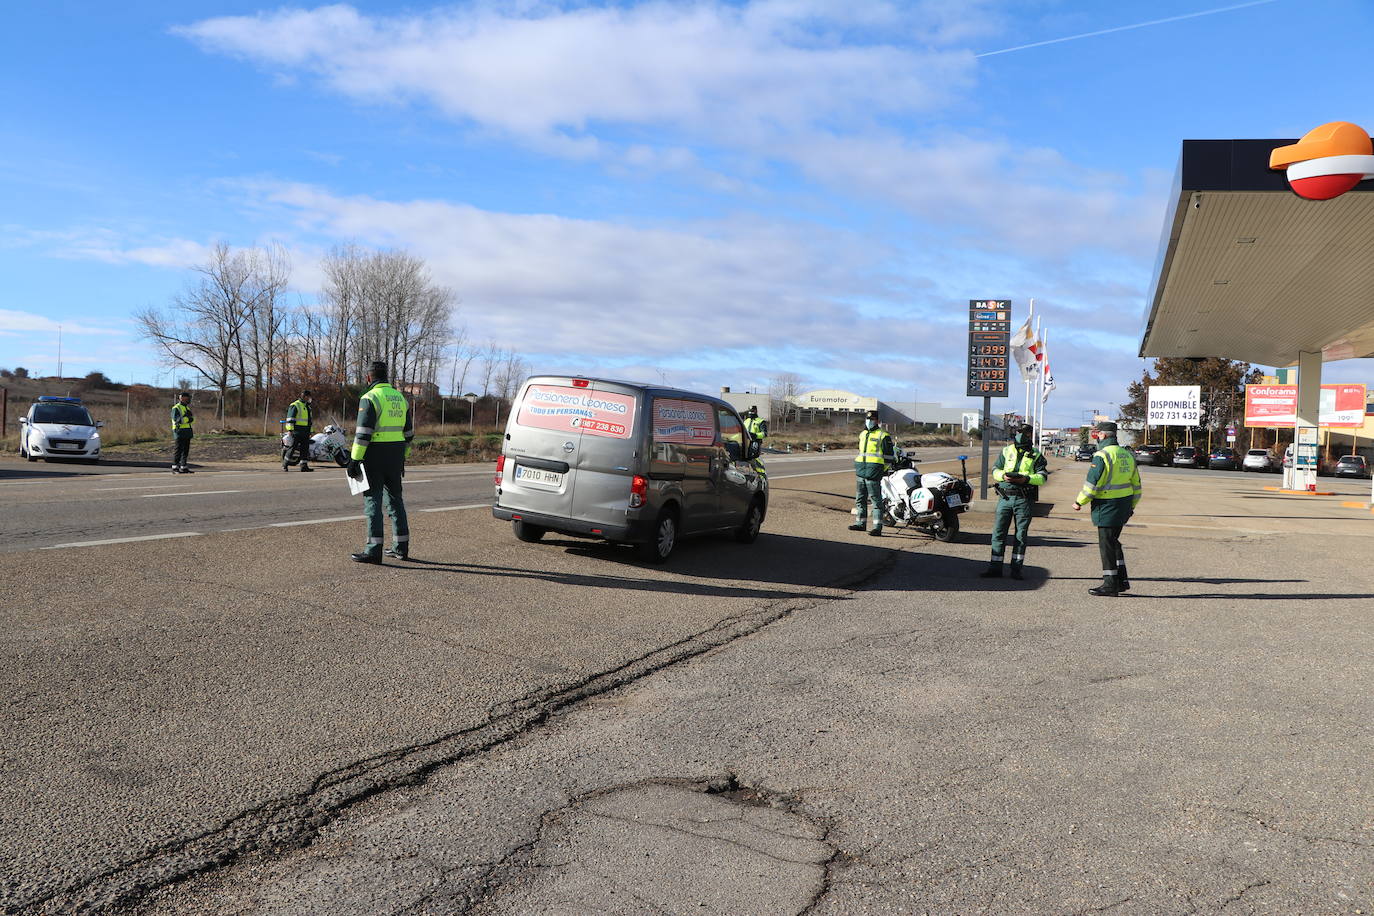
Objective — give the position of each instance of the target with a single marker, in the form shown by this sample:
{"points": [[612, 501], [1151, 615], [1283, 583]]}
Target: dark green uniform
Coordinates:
{"points": [[182, 421], [298, 425], [876, 456], [757, 427], [1015, 501], [382, 443], [1113, 488]]}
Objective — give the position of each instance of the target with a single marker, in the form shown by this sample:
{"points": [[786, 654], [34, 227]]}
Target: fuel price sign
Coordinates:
{"points": [[989, 347]]}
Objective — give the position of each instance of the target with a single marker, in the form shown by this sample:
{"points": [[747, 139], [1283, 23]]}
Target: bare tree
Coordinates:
{"points": [[782, 388], [511, 371], [203, 329]]}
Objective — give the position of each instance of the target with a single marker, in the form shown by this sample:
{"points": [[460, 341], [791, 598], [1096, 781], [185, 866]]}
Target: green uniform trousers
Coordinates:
{"points": [[1113, 557], [1009, 508], [384, 463], [869, 492]]}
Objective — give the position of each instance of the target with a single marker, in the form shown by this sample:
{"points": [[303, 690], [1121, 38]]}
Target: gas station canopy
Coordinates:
{"points": [[1249, 270]]}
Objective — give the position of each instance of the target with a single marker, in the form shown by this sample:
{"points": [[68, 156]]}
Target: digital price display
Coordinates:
{"points": [[989, 347]]}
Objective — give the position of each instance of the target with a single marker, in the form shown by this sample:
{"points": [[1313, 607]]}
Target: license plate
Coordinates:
{"points": [[954, 500], [65, 445], [538, 477]]}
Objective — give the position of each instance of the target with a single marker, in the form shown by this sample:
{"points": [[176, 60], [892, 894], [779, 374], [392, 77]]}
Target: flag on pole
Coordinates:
{"points": [[1049, 381], [1022, 350]]}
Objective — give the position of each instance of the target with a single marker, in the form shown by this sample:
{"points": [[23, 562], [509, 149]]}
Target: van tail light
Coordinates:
{"points": [[639, 489], [500, 466], [580, 383]]}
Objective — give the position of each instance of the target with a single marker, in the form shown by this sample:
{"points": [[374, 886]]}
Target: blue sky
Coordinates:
{"points": [[712, 193]]}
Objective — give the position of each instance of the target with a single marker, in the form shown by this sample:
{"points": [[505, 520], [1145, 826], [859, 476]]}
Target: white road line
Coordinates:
{"points": [[453, 508], [151, 486], [196, 493], [313, 521], [146, 537]]}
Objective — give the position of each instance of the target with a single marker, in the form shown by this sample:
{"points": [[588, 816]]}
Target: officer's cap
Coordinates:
{"points": [[1106, 426], [1026, 428], [870, 415]]}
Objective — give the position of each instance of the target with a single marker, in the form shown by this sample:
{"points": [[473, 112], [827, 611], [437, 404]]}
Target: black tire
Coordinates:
{"points": [[341, 458], [748, 531], [664, 539], [526, 532], [949, 530]]}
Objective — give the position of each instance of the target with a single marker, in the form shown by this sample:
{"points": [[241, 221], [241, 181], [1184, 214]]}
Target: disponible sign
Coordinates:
{"points": [[1342, 406], [1174, 405]]}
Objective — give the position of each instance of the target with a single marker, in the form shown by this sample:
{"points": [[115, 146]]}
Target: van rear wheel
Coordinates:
{"points": [[526, 532], [664, 540]]}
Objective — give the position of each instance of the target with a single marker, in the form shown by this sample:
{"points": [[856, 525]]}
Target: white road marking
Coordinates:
{"points": [[313, 521], [146, 537], [453, 508], [151, 486], [196, 493]]}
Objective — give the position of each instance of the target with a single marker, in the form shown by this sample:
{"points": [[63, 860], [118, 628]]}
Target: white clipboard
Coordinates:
{"points": [[359, 485]]}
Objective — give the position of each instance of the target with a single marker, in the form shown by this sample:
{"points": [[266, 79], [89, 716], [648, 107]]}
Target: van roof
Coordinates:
{"points": [[646, 387]]}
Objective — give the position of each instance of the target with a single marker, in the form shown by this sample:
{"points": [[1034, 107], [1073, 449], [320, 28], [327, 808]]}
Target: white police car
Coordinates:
{"points": [[59, 428]]}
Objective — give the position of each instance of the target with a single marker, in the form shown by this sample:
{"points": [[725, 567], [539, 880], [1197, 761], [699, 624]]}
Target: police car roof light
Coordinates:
{"points": [[48, 397]]}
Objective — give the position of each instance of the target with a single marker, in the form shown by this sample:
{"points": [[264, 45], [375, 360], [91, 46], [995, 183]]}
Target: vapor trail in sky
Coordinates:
{"points": [[1127, 28]]}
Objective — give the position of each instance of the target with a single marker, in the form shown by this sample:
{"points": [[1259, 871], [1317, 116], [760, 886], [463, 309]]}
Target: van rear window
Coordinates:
{"points": [[683, 421], [564, 409]]}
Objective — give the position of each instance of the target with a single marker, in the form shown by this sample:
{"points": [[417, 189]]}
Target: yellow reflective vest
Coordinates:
{"points": [[298, 415], [1118, 479], [182, 418], [383, 416]]}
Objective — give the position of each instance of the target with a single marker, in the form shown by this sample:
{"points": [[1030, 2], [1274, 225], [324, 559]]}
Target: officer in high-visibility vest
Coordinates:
{"points": [[876, 456], [1018, 473], [1113, 488], [381, 445], [298, 425], [182, 420], [758, 430]]}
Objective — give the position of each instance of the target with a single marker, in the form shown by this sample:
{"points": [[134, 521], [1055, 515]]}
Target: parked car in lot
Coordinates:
{"points": [[1223, 459], [1084, 453], [1153, 454], [1352, 466], [1190, 456], [1260, 459]]}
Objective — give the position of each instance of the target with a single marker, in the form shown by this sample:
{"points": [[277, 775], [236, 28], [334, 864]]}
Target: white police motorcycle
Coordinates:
{"points": [[927, 502], [329, 445]]}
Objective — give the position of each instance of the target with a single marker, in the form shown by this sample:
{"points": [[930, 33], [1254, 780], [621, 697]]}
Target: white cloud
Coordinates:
{"points": [[13, 321], [538, 71]]}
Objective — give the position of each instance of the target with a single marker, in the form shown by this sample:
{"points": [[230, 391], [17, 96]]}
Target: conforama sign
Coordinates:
{"points": [[1328, 160]]}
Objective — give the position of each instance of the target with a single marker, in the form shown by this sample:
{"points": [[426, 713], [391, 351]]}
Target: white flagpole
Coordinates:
{"points": [[1026, 416], [1035, 382], [1040, 393]]}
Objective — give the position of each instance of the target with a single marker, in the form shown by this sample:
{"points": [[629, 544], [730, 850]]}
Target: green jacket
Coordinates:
{"points": [[876, 454], [1113, 485], [1015, 459]]}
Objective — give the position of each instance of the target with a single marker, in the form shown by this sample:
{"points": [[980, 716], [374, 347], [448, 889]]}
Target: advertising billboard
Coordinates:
{"points": [[1342, 405], [1174, 405]]}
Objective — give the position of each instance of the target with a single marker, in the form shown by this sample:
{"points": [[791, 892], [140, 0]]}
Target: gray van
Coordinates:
{"points": [[628, 463]]}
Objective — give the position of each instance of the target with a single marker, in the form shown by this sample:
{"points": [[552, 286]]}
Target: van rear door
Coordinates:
{"points": [[609, 452], [542, 439]]}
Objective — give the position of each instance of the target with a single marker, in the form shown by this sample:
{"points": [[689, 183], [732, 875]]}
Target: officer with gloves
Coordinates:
{"points": [[1018, 473], [183, 420], [298, 425], [381, 445], [876, 456], [1113, 488]]}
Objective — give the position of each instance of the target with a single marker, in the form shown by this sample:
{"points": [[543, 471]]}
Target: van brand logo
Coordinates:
{"points": [[568, 446], [1328, 160]]}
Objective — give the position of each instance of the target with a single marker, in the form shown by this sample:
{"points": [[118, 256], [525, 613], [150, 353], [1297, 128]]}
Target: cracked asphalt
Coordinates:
{"points": [[821, 723]]}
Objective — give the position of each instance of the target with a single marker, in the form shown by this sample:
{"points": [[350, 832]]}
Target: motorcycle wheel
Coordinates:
{"points": [[949, 529], [341, 458]]}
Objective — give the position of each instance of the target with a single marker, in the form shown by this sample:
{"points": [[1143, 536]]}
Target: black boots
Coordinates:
{"points": [[367, 556], [1108, 588], [1016, 571]]}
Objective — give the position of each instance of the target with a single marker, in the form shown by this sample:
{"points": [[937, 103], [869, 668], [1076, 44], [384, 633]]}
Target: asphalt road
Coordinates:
{"points": [[819, 722]]}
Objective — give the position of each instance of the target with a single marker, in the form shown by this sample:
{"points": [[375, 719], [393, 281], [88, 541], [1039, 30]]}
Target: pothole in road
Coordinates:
{"points": [[667, 846]]}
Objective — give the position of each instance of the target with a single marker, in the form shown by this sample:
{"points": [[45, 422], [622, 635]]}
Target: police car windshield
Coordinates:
{"points": [[67, 414]]}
